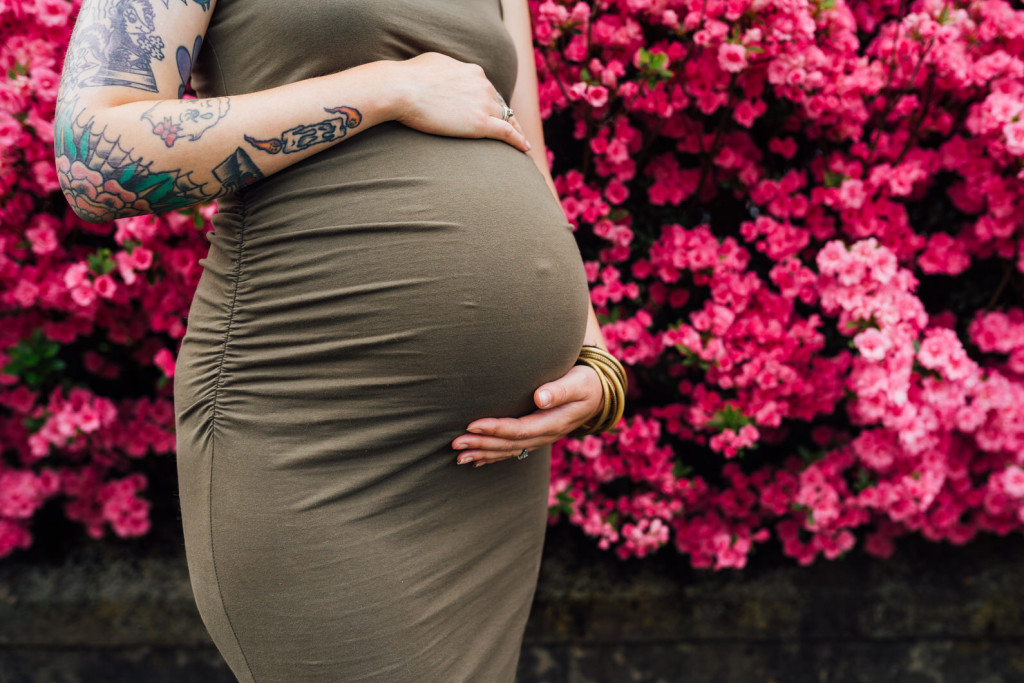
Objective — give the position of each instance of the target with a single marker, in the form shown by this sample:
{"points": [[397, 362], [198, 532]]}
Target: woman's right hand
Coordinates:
{"points": [[443, 96]]}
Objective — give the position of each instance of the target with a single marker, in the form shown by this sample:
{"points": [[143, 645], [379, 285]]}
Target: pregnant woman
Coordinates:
{"points": [[392, 299]]}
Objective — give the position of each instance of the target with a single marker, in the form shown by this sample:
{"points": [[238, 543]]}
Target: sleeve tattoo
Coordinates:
{"points": [[104, 180]]}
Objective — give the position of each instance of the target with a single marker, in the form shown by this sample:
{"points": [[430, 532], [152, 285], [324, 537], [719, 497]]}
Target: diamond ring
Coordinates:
{"points": [[506, 111]]}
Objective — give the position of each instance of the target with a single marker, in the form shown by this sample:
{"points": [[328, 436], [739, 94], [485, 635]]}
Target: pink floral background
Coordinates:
{"points": [[803, 225]]}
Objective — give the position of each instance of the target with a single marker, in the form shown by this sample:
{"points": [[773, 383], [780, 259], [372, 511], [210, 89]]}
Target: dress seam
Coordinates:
{"points": [[240, 254]]}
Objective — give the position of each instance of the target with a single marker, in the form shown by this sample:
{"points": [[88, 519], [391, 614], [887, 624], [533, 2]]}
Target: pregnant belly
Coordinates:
{"points": [[405, 278]]}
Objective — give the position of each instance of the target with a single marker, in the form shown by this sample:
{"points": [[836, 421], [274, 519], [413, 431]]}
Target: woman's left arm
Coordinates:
{"points": [[574, 399]]}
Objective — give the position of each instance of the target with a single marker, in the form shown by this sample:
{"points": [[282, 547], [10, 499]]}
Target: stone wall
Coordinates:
{"points": [[122, 611]]}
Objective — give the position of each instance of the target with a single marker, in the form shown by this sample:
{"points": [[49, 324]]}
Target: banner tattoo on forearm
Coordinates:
{"points": [[305, 136]]}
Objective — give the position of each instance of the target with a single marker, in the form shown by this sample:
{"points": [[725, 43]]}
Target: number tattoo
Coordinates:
{"points": [[305, 136]]}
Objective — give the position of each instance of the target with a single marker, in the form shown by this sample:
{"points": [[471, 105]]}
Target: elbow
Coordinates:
{"points": [[96, 190], [94, 196]]}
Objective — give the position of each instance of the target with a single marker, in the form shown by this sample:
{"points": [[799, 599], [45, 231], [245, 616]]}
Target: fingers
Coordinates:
{"points": [[491, 457], [510, 118], [494, 439], [519, 129], [506, 437], [443, 96], [576, 385], [506, 131]]}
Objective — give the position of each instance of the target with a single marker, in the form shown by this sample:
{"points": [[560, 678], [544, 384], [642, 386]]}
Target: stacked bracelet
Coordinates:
{"points": [[613, 385]]}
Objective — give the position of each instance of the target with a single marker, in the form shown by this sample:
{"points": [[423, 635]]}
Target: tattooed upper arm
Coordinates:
{"points": [[124, 50]]}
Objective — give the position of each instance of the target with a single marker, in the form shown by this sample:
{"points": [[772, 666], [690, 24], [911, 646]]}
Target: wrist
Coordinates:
{"points": [[396, 96], [385, 82], [597, 388]]}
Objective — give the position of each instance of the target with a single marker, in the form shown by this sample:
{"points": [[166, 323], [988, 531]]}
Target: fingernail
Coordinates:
{"points": [[528, 146], [465, 460], [474, 430], [460, 446], [545, 399]]}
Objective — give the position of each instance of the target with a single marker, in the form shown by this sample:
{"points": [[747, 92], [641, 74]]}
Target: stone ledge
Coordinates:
{"points": [[942, 661], [933, 613]]}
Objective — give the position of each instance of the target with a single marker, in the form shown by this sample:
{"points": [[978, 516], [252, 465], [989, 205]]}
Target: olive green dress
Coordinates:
{"points": [[356, 311]]}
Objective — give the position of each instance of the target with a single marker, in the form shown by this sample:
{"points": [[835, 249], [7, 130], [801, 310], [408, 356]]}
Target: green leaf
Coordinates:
{"points": [[691, 359], [654, 66], [35, 360], [681, 471], [101, 262], [33, 424], [810, 456], [863, 480], [728, 417], [834, 179]]}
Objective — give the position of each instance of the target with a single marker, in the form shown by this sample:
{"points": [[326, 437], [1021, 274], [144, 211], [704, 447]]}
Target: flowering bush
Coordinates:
{"points": [[803, 228], [90, 314], [801, 222]]}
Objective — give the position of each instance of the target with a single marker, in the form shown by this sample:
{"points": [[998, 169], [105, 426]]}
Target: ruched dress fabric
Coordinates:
{"points": [[356, 311]]}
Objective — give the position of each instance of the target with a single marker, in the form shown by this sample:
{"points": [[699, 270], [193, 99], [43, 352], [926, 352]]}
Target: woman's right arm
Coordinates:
{"points": [[126, 144]]}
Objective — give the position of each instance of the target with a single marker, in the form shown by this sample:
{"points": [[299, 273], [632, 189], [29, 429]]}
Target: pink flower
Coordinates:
{"points": [[597, 96], [52, 13], [43, 238], [851, 194], [732, 57], [1014, 134], [872, 344], [105, 286], [165, 361], [944, 255]]}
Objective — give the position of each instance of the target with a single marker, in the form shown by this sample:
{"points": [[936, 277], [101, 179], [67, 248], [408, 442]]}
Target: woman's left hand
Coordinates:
{"points": [[564, 405]]}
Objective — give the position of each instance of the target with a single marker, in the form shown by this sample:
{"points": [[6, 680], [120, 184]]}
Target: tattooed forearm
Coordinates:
{"points": [[103, 178], [237, 171], [303, 137], [185, 119]]}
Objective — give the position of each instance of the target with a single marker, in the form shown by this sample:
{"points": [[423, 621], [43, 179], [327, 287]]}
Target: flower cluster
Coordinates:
{"points": [[90, 314], [801, 220], [801, 225]]}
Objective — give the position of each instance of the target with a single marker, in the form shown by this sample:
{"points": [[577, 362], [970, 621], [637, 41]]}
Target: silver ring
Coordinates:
{"points": [[506, 111], [523, 455]]}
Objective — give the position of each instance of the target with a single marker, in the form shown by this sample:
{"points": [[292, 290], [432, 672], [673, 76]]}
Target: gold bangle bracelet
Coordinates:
{"points": [[606, 400], [613, 388], [599, 355]]}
